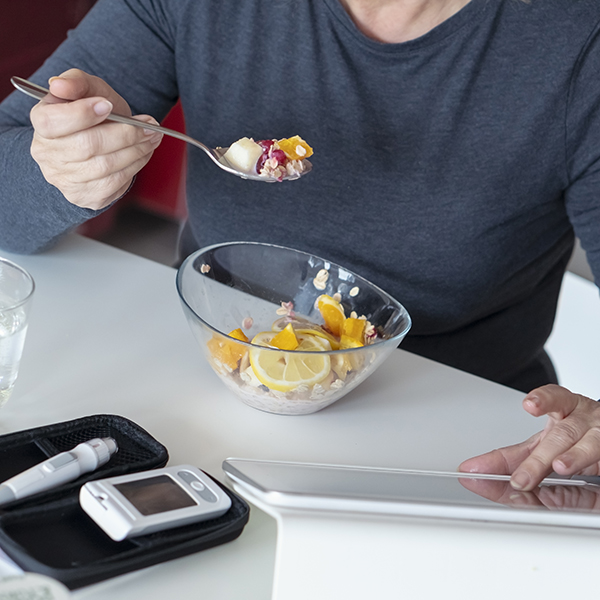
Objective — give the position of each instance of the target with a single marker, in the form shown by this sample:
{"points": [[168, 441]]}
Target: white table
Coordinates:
{"points": [[107, 335]]}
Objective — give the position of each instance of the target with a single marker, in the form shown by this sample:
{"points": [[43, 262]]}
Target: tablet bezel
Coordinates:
{"points": [[256, 479]]}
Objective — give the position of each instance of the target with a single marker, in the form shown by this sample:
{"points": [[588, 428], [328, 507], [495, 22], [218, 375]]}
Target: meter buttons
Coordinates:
{"points": [[198, 486]]}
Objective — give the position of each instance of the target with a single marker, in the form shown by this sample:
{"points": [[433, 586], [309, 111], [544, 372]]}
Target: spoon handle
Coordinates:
{"points": [[38, 92], [27, 87], [215, 154]]}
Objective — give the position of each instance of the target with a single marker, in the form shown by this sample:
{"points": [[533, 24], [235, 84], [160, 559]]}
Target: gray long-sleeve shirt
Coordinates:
{"points": [[450, 169]]}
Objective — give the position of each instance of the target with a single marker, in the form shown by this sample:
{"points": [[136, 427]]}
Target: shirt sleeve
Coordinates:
{"points": [[129, 44], [582, 196]]}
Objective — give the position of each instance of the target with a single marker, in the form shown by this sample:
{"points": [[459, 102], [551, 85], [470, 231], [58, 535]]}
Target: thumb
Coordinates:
{"points": [[75, 84], [503, 460]]}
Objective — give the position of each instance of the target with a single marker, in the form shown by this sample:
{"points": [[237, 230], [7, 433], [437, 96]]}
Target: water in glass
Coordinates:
{"points": [[13, 327]]}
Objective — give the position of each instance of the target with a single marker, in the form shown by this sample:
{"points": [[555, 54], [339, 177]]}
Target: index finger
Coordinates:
{"points": [[569, 422], [551, 399], [75, 84]]}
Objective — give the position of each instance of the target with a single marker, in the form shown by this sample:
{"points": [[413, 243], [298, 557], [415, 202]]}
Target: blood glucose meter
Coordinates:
{"points": [[141, 503]]}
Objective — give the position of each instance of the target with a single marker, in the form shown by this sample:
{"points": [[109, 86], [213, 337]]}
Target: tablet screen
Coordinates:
{"points": [[431, 492]]}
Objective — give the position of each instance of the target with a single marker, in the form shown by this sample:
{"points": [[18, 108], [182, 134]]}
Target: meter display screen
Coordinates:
{"points": [[155, 495]]}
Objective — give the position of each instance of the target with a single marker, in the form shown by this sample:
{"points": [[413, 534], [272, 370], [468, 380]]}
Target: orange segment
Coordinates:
{"points": [[349, 342], [286, 339], [238, 334], [354, 329], [295, 148], [228, 353], [333, 314]]}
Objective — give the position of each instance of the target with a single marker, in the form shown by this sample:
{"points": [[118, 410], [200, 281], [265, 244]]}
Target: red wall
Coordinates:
{"points": [[30, 30]]}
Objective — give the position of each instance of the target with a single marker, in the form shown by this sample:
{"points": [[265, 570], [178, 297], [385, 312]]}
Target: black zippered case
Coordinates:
{"points": [[49, 533]]}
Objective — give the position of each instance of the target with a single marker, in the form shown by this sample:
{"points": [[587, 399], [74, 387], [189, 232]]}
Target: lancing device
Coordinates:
{"points": [[59, 469]]}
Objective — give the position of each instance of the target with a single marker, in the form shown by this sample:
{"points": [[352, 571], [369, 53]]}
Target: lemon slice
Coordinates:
{"points": [[319, 332], [285, 371], [303, 326]]}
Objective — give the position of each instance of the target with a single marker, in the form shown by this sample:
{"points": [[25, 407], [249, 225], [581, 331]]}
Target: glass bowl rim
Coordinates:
{"points": [[191, 257]]}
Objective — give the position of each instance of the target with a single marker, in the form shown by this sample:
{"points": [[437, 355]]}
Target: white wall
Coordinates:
{"points": [[575, 341], [579, 263]]}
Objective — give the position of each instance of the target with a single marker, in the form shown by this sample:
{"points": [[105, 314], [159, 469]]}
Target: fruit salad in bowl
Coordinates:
{"points": [[286, 331]]}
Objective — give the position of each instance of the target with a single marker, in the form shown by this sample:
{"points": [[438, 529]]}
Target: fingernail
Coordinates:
{"points": [[155, 139], [532, 401], [563, 464], [52, 79], [520, 480], [151, 131], [103, 108]]}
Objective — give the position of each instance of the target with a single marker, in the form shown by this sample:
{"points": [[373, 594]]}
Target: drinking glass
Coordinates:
{"points": [[16, 292]]}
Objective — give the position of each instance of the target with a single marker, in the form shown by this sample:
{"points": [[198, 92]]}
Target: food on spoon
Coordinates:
{"points": [[243, 155], [295, 148], [269, 158]]}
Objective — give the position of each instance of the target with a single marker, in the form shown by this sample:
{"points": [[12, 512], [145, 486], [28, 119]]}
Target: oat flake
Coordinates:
{"points": [[320, 281]]}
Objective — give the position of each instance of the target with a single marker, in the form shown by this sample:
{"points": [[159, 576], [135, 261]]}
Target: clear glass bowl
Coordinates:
{"points": [[242, 285]]}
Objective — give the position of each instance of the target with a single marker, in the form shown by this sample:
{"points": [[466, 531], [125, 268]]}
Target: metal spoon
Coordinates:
{"points": [[215, 154]]}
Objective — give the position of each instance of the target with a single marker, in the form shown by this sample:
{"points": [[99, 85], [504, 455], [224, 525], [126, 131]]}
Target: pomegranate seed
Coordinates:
{"points": [[279, 156], [265, 144]]}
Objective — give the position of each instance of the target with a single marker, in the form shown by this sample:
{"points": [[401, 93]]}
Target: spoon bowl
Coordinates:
{"points": [[215, 154]]}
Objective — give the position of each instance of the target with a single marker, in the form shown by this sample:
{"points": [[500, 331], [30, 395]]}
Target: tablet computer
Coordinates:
{"points": [[571, 502]]}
